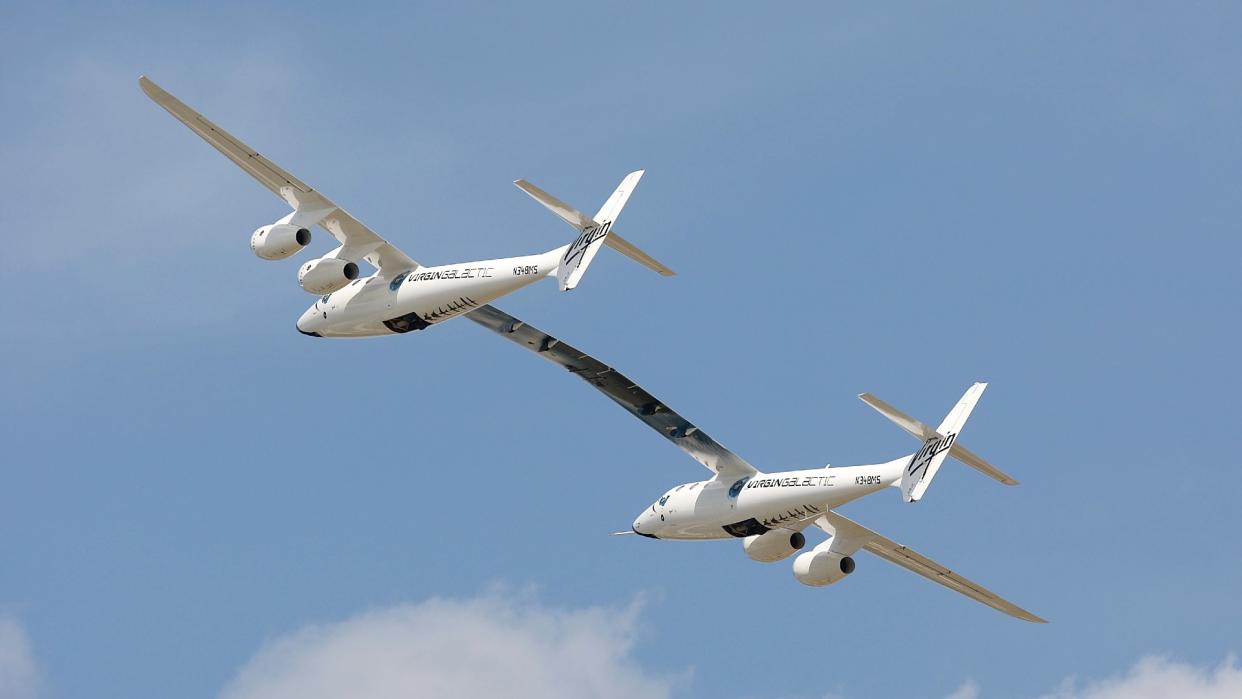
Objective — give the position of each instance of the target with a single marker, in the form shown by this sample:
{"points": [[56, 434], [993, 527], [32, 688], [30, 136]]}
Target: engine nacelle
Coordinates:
{"points": [[773, 545], [819, 568], [326, 274], [278, 241]]}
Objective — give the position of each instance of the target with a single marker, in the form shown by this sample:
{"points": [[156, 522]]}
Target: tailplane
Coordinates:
{"points": [[592, 232], [937, 444]]}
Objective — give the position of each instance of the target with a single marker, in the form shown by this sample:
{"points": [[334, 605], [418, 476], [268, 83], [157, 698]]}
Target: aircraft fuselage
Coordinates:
{"points": [[716, 509], [422, 297]]}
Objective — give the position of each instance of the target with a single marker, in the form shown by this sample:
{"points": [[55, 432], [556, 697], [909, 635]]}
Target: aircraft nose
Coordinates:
{"points": [[304, 327], [641, 527]]}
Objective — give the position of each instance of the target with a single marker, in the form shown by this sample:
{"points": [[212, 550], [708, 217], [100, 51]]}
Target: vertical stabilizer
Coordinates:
{"points": [[577, 257], [925, 462]]}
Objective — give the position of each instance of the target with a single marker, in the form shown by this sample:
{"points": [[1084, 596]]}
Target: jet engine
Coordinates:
{"points": [[773, 545], [278, 241], [819, 568], [326, 274]]}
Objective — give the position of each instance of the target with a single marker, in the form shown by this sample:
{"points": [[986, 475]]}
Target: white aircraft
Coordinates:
{"points": [[401, 295], [769, 511]]}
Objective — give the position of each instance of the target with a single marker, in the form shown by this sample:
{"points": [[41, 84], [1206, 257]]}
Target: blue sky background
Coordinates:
{"points": [[895, 198]]}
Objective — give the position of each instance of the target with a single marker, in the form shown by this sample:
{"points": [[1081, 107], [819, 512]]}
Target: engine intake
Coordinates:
{"points": [[278, 241], [773, 545], [326, 275], [820, 568]]}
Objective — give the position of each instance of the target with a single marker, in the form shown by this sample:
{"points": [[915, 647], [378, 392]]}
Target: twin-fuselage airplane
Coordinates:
{"points": [[767, 511]]}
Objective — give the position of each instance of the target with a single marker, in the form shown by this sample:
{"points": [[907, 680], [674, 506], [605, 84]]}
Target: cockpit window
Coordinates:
{"points": [[396, 281], [324, 298]]}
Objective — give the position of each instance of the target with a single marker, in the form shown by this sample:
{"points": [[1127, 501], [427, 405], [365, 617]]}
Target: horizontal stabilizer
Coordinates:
{"points": [[625, 247], [969, 458], [920, 431], [569, 214]]}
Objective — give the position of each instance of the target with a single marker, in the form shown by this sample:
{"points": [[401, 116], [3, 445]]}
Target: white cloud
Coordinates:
{"points": [[512, 646], [19, 677], [968, 690], [1158, 677], [488, 646]]}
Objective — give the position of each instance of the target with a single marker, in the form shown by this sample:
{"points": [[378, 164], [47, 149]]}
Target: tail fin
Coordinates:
{"points": [[937, 444], [592, 232]]}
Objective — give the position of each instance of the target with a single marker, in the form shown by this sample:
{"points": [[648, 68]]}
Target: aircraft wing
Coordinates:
{"points": [[358, 241], [620, 389], [853, 536]]}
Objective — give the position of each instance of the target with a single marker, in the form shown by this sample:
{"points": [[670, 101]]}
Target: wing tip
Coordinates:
{"points": [[150, 89], [529, 187]]}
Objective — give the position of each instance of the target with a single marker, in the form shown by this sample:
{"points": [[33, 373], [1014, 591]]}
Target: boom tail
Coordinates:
{"points": [[938, 444], [593, 232]]}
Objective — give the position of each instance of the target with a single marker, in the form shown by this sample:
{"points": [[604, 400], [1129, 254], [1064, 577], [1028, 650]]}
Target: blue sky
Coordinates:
{"points": [[895, 198]]}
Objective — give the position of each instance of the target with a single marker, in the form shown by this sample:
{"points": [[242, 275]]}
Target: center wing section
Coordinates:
{"points": [[629, 395], [357, 241]]}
